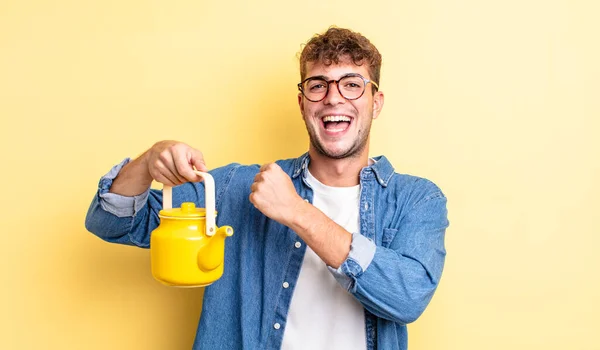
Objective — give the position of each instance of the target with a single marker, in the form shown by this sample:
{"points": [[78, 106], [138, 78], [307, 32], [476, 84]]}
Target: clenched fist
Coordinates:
{"points": [[273, 193]]}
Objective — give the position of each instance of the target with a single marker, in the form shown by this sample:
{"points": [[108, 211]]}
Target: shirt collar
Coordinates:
{"points": [[382, 168]]}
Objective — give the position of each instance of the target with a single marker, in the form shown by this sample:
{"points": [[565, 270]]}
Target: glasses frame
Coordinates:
{"points": [[337, 83]]}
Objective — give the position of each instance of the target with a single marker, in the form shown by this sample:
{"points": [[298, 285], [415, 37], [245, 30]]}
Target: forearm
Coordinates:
{"points": [[133, 179], [400, 280], [122, 219], [394, 286], [129, 230], [328, 240]]}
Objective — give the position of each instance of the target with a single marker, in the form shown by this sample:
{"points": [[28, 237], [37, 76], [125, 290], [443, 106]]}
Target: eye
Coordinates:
{"points": [[317, 85], [352, 84]]}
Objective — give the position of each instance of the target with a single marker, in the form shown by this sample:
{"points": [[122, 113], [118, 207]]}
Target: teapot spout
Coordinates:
{"points": [[212, 255], [225, 231]]}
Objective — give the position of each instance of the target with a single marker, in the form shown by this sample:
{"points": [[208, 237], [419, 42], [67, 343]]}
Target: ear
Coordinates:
{"points": [[378, 99], [301, 104]]}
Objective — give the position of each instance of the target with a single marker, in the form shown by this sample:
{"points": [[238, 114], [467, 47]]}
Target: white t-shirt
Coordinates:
{"points": [[322, 314]]}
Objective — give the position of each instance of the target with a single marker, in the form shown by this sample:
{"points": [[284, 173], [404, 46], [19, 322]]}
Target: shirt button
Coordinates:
{"points": [[306, 200], [276, 326], [286, 285], [297, 244]]}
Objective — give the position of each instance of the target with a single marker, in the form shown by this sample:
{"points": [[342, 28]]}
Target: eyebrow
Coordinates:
{"points": [[316, 77], [327, 79]]}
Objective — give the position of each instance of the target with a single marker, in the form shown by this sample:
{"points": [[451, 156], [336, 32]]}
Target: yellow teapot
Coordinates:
{"points": [[187, 249]]}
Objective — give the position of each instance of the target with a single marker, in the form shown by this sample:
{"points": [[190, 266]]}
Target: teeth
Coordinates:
{"points": [[336, 118]]}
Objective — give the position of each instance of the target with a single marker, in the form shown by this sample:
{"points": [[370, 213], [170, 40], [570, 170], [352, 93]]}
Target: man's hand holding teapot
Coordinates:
{"points": [[168, 162], [171, 163]]}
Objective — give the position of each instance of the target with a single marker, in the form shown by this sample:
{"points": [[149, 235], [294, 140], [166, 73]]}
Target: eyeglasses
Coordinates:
{"points": [[351, 87]]}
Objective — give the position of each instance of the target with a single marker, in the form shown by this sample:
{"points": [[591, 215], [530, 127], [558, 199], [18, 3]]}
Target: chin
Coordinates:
{"points": [[338, 153]]}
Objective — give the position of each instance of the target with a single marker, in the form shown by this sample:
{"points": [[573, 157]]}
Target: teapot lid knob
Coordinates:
{"points": [[188, 207]]}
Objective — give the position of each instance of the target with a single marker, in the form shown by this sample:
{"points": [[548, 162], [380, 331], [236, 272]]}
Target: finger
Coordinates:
{"points": [[259, 177], [166, 166], [274, 166], [254, 187], [265, 167], [158, 177], [157, 170], [165, 180], [183, 167], [166, 176], [174, 174], [197, 160]]}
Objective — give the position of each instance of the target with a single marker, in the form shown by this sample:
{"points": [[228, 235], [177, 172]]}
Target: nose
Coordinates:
{"points": [[333, 94]]}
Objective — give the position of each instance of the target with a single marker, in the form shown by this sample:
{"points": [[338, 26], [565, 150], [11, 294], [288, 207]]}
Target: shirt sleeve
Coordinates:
{"points": [[118, 205], [397, 279], [362, 251], [403, 275], [122, 219]]}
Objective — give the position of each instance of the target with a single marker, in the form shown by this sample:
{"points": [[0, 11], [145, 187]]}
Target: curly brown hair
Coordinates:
{"points": [[337, 44]]}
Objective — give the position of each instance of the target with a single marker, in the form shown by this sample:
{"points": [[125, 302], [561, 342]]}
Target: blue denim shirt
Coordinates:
{"points": [[393, 268]]}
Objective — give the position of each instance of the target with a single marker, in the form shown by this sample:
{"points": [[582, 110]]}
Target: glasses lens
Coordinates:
{"points": [[352, 87], [315, 89]]}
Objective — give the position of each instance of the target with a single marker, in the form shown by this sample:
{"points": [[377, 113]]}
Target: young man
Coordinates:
{"points": [[332, 250]]}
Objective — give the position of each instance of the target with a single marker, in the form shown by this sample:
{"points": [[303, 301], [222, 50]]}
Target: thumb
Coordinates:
{"points": [[197, 160]]}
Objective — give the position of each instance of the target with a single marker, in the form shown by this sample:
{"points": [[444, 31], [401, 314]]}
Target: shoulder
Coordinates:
{"points": [[417, 198], [409, 189], [290, 165], [416, 186]]}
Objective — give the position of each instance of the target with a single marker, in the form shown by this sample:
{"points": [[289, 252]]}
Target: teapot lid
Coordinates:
{"points": [[188, 210]]}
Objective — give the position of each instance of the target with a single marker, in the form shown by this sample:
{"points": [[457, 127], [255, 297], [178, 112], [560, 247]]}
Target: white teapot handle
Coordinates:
{"points": [[209, 200]]}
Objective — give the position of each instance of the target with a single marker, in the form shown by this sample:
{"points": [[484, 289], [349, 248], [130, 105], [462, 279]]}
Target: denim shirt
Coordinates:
{"points": [[393, 268]]}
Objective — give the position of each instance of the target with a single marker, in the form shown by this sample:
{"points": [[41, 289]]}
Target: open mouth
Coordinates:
{"points": [[336, 123]]}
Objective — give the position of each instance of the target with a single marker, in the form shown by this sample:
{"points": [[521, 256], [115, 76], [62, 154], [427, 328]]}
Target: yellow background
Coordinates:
{"points": [[495, 101]]}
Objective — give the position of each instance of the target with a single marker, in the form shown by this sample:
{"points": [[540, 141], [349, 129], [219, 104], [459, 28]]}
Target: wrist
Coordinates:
{"points": [[144, 165], [301, 217], [133, 179]]}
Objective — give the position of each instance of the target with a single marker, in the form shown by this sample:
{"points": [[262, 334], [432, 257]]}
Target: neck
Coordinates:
{"points": [[337, 172]]}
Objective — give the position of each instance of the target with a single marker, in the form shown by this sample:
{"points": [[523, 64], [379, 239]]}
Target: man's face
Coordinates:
{"points": [[339, 128]]}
